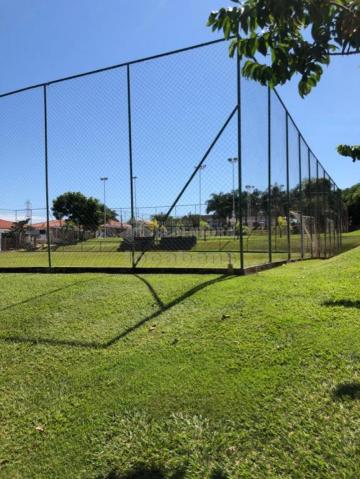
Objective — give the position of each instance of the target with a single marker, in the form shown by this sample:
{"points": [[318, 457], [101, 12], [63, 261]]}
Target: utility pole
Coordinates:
{"points": [[104, 180], [134, 178], [202, 167], [233, 162], [249, 189]]}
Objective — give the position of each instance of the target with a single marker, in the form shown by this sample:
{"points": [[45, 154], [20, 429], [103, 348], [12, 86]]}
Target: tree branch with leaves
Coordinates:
{"points": [[280, 39], [351, 151]]}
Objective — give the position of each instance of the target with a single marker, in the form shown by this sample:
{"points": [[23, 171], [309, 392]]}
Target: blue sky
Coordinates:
{"points": [[42, 40]]}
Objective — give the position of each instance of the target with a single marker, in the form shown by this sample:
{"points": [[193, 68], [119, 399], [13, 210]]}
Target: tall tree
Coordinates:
{"points": [[221, 204], [86, 213], [297, 37], [351, 197], [18, 231]]}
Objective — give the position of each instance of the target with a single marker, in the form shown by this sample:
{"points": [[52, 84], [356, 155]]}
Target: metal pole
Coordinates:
{"points": [[269, 176], [232, 161], [239, 156], [288, 185], [216, 139], [233, 187], [325, 214], [311, 213], [200, 192], [130, 164], [105, 209], [135, 202], [338, 211], [301, 200], [200, 169], [104, 180], [334, 202], [48, 239], [317, 215]]}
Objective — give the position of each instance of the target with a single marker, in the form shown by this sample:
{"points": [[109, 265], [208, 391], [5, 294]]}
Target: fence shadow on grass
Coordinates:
{"points": [[152, 290], [142, 472], [97, 345], [347, 391], [167, 307], [48, 293], [346, 303]]}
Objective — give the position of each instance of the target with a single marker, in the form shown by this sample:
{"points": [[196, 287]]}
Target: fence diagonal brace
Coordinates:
{"points": [[202, 161]]}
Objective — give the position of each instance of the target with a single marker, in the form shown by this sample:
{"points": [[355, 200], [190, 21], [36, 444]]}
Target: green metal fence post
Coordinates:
{"points": [[288, 186], [239, 151], [269, 178], [133, 219], [48, 236], [310, 202], [301, 199]]}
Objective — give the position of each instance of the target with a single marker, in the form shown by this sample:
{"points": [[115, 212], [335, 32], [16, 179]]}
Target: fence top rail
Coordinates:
{"points": [[142, 60], [113, 67]]}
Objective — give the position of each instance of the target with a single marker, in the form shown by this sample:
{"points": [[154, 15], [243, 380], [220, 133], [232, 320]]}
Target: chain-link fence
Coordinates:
{"points": [[170, 162]]}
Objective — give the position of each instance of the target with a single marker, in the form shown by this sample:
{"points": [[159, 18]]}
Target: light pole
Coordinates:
{"points": [[104, 180], [134, 178], [249, 189], [201, 168], [233, 162]]}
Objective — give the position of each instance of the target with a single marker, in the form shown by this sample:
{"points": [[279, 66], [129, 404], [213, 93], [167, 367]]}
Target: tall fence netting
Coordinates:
{"points": [[173, 162]]}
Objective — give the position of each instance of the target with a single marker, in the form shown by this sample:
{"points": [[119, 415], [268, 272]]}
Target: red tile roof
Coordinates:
{"points": [[5, 225], [52, 224], [116, 224]]}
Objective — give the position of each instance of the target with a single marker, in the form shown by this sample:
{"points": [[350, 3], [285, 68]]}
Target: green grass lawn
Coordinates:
{"points": [[254, 242], [350, 240], [212, 253], [165, 259], [170, 377]]}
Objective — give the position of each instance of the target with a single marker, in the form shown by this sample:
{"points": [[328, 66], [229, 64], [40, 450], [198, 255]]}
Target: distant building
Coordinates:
{"points": [[55, 227], [114, 228], [5, 227]]}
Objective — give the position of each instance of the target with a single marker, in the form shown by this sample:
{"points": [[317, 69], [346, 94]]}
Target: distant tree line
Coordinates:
{"points": [[351, 198], [85, 213], [315, 197], [311, 197]]}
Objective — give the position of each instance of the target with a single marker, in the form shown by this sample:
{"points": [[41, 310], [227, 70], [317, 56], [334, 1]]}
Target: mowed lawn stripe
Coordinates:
{"points": [[240, 376]]}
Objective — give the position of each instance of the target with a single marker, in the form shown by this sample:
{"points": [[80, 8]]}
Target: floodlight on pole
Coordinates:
{"points": [[233, 162], [250, 190], [200, 168], [104, 180], [134, 178]]}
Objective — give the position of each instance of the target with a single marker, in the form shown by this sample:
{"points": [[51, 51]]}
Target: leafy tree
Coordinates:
{"points": [[153, 225], [67, 230], [18, 231], [221, 204], [298, 36], [191, 220], [281, 223], [245, 229], [86, 213], [351, 197], [352, 151], [204, 226], [161, 218]]}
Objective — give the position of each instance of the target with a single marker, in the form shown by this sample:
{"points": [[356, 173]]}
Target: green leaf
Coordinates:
{"points": [[262, 46], [227, 27], [232, 48]]}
